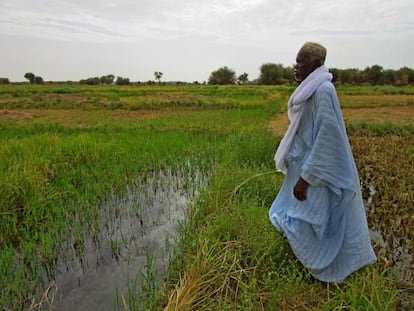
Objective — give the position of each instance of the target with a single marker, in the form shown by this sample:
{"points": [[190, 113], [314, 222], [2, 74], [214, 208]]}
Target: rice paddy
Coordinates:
{"points": [[87, 173]]}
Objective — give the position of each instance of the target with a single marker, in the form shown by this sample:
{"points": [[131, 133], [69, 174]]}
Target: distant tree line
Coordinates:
{"points": [[374, 75], [4, 81], [107, 79], [277, 74], [270, 74]]}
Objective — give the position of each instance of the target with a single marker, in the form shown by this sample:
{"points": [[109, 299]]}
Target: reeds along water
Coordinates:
{"points": [[130, 231]]}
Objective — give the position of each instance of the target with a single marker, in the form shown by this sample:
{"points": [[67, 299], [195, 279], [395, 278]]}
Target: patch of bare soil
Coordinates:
{"points": [[15, 115], [279, 125], [395, 114]]}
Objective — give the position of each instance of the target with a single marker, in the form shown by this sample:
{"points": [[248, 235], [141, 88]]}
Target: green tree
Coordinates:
{"points": [[4, 81], [38, 80], [373, 74], [158, 76], [30, 76], [243, 78], [90, 81], [404, 76], [108, 79], [410, 73], [223, 75], [122, 81], [388, 76], [33, 79], [271, 74]]}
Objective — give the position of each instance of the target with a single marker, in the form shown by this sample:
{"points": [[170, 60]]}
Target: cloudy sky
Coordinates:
{"points": [[187, 39]]}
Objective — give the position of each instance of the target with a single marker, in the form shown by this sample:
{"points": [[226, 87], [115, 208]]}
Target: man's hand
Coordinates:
{"points": [[299, 190]]}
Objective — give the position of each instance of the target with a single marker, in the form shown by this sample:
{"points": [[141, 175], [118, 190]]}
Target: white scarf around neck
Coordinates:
{"points": [[295, 110]]}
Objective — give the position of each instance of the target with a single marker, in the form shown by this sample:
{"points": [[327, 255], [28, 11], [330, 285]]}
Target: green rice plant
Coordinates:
{"points": [[83, 143], [375, 90], [370, 289], [150, 286]]}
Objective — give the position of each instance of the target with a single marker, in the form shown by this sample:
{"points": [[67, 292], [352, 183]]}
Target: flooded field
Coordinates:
{"points": [[96, 183], [131, 245]]}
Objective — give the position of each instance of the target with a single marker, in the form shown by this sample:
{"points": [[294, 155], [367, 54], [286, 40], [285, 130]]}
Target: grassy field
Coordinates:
{"points": [[64, 149]]}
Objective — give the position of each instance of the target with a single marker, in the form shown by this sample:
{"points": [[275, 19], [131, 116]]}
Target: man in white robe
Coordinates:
{"points": [[319, 207]]}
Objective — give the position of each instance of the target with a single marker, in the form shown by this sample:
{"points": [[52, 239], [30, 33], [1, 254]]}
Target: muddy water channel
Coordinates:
{"points": [[132, 244], [396, 250]]}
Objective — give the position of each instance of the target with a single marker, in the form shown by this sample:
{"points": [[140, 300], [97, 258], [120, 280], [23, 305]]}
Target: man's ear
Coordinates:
{"points": [[317, 63]]}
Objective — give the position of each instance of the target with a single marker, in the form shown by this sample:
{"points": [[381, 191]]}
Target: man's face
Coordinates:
{"points": [[304, 66]]}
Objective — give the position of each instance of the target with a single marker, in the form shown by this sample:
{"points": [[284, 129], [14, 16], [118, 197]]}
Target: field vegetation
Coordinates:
{"points": [[64, 149]]}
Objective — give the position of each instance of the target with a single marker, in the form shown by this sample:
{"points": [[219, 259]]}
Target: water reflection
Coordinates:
{"points": [[134, 228]]}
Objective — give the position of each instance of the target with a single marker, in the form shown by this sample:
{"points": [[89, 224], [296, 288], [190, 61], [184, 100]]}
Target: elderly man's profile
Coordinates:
{"points": [[319, 207]]}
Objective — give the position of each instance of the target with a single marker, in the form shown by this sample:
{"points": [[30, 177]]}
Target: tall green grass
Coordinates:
{"points": [[53, 177], [54, 174], [232, 258]]}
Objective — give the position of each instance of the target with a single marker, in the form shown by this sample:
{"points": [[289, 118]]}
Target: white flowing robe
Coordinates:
{"points": [[328, 231]]}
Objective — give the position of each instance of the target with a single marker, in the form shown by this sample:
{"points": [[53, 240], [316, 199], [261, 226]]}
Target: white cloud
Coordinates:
{"points": [[244, 32]]}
